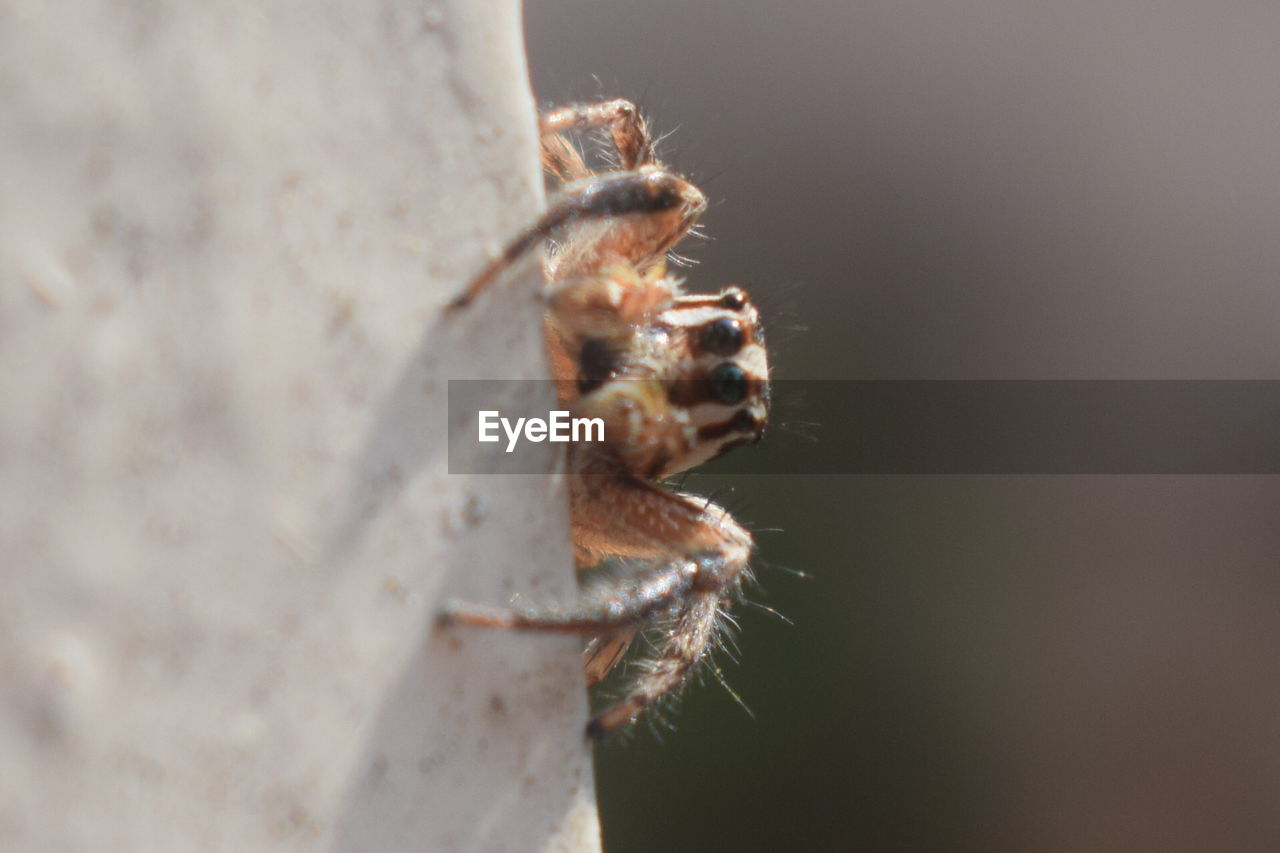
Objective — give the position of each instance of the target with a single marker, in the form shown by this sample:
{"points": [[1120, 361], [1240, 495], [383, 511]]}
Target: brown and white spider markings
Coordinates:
{"points": [[678, 378]]}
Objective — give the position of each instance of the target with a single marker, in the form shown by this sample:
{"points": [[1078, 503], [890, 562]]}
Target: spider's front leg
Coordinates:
{"points": [[662, 206], [700, 556], [637, 518], [628, 503], [686, 643]]}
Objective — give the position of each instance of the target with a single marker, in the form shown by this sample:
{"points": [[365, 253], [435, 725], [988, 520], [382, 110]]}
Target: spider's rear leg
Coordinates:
{"points": [[660, 207]]}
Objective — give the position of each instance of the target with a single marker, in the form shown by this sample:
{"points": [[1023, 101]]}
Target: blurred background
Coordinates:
{"points": [[982, 189]]}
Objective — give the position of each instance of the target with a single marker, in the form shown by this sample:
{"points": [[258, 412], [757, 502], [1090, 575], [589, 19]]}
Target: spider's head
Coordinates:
{"points": [[721, 376]]}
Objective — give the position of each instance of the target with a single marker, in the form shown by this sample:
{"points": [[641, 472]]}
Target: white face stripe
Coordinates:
{"points": [[706, 449], [699, 315], [709, 414], [754, 362], [703, 451], [692, 316]]}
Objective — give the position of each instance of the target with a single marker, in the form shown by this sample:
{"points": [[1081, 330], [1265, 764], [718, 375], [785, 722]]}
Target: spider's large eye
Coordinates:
{"points": [[728, 384], [722, 337]]}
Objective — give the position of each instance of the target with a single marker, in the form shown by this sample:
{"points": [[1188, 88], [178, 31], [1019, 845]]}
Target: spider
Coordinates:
{"points": [[678, 378]]}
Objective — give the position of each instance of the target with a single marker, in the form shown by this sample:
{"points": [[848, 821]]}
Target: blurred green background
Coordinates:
{"points": [[972, 190]]}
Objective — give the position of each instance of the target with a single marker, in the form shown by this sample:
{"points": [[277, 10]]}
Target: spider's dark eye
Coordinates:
{"points": [[728, 384], [744, 421], [722, 337], [596, 363], [733, 299]]}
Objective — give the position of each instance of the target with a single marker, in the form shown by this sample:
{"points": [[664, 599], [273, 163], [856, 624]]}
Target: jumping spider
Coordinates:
{"points": [[677, 378]]}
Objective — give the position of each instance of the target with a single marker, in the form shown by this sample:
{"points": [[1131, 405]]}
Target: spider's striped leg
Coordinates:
{"points": [[657, 208]]}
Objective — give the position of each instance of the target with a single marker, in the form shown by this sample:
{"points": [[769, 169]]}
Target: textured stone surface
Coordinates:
{"points": [[226, 231]]}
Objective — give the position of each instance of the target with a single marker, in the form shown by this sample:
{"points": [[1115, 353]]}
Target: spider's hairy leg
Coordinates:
{"points": [[667, 203], [625, 516], [684, 647], [562, 159], [601, 608], [627, 129], [636, 518]]}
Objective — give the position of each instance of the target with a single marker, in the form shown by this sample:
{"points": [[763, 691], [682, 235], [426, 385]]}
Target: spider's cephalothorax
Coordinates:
{"points": [[677, 379]]}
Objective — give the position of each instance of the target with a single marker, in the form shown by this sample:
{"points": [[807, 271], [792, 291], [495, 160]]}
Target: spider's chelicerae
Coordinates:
{"points": [[677, 378]]}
